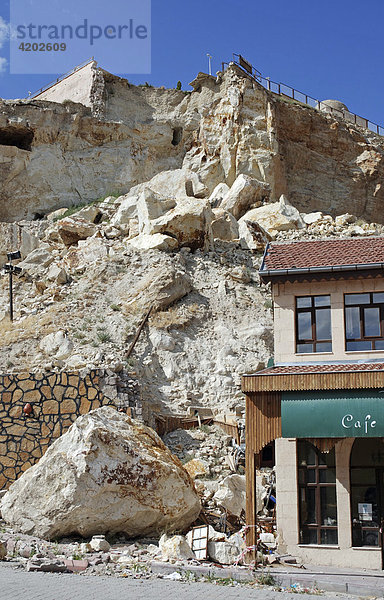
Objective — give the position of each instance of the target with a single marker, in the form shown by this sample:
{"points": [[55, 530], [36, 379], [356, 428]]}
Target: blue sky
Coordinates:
{"points": [[328, 49]]}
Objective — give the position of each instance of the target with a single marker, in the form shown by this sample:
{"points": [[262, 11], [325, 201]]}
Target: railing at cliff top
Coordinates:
{"points": [[282, 89], [49, 85]]}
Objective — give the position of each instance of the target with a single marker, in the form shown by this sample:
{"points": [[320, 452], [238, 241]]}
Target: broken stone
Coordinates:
{"points": [[57, 345], [197, 468], [175, 548], [46, 565], [90, 213], [311, 218], [224, 225], [158, 287], [223, 553], [152, 206], [98, 543]]}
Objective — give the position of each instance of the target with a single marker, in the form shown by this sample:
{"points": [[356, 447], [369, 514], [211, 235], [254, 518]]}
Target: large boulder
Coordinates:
{"points": [[188, 221], [151, 206], [158, 287], [57, 345], [278, 216], [156, 241], [244, 192], [231, 494], [71, 230], [106, 474]]}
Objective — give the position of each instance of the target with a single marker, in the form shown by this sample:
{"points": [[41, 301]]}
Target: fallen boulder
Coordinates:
{"points": [[231, 494], [71, 230], [244, 192], [278, 216], [159, 287], [188, 222], [106, 474]]}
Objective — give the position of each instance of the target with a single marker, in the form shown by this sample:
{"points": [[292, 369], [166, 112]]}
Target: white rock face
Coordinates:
{"points": [[127, 209], [175, 548], [57, 345], [106, 474], [244, 192], [231, 494], [37, 261]]}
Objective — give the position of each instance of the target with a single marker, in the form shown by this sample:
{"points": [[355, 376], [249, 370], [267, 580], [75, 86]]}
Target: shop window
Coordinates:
{"points": [[364, 317], [317, 495], [367, 491], [313, 324]]}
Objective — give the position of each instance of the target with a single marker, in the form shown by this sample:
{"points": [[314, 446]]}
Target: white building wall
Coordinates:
{"points": [[287, 511], [284, 295], [76, 87]]}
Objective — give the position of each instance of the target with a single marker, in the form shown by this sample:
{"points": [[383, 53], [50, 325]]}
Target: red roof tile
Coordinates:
{"points": [[324, 253], [315, 368]]}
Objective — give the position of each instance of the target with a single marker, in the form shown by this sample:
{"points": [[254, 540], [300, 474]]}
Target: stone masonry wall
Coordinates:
{"points": [[57, 399]]}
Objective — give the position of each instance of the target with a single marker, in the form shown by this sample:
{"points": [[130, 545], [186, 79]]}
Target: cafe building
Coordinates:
{"points": [[322, 401]]}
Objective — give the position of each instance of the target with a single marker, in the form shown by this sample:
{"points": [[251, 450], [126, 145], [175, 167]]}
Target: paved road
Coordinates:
{"points": [[20, 585]]}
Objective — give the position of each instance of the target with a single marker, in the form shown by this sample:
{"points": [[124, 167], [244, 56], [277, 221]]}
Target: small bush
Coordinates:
{"points": [[115, 307], [103, 336]]}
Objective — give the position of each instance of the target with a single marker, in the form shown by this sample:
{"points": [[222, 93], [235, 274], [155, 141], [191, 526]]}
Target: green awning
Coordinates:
{"points": [[336, 413]]}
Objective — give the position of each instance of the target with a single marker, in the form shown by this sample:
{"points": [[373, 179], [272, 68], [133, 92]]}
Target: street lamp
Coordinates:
{"points": [[12, 269], [209, 64]]}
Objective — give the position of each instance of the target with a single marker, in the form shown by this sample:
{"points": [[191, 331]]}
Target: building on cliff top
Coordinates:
{"points": [[322, 401]]}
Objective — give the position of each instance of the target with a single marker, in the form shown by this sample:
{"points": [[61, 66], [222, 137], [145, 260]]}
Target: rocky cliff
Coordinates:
{"points": [[54, 155], [208, 177]]}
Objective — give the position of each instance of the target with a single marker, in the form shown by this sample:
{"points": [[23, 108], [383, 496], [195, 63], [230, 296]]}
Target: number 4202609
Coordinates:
{"points": [[42, 47]]}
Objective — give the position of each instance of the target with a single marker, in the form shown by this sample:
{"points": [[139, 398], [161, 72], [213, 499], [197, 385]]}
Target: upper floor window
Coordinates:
{"points": [[364, 321], [313, 324]]}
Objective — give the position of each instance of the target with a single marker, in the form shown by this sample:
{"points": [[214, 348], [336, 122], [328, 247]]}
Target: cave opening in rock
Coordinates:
{"points": [[177, 135], [21, 137]]}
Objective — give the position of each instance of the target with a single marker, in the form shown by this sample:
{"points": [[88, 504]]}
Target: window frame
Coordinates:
{"points": [[317, 485], [312, 310], [364, 338]]}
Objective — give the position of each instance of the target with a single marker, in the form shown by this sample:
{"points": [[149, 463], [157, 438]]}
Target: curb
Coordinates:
{"points": [[354, 584]]}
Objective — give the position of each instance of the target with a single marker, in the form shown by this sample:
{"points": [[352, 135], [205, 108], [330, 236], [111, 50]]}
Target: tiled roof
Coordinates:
{"points": [[324, 253], [316, 368]]}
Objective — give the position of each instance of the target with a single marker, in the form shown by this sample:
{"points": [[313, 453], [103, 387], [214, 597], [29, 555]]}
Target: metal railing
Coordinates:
{"points": [[282, 89], [62, 77]]}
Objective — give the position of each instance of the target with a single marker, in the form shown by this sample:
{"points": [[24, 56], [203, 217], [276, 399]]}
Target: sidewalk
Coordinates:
{"points": [[359, 583]]}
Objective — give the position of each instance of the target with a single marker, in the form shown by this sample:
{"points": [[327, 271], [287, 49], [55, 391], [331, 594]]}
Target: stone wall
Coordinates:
{"points": [[57, 399]]}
